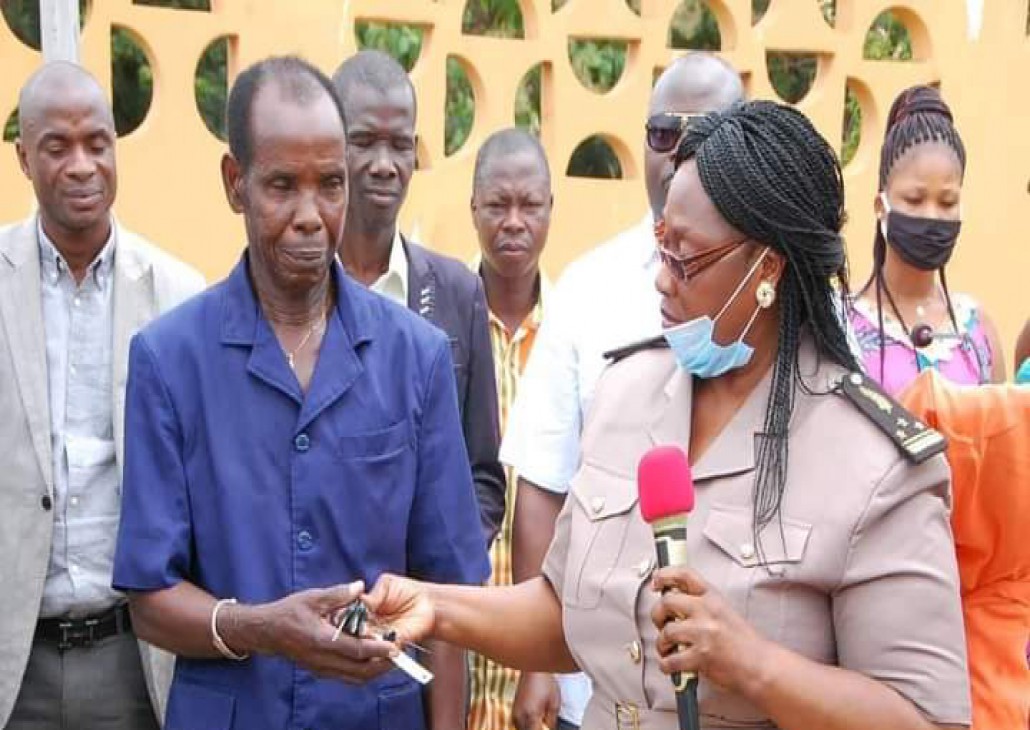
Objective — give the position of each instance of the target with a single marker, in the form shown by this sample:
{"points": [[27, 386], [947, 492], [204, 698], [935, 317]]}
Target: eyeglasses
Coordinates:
{"points": [[686, 268], [665, 129]]}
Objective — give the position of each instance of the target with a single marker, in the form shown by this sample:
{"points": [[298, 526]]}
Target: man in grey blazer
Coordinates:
{"points": [[74, 287]]}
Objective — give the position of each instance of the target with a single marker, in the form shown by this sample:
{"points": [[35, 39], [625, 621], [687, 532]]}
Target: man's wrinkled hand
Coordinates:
{"points": [[300, 627]]}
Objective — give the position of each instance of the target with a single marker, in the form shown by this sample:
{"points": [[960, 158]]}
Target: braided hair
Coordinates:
{"points": [[776, 180], [918, 116]]}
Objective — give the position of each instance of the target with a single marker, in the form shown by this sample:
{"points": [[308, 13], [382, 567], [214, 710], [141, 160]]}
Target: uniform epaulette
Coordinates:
{"points": [[621, 353], [914, 439]]}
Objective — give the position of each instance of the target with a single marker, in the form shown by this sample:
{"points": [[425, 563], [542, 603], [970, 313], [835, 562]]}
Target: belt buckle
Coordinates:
{"points": [[627, 716], [77, 635]]}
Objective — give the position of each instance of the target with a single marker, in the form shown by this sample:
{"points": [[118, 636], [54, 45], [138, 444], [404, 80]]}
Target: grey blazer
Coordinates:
{"points": [[147, 282]]}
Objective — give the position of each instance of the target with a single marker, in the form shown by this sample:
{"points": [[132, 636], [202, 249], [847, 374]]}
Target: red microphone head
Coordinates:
{"points": [[665, 484]]}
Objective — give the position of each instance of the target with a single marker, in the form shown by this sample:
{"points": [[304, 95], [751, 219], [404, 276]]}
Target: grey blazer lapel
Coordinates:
{"points": [[21, 308], [134, 306]]}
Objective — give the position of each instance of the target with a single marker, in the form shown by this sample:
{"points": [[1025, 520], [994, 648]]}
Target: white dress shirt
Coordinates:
{"points": [[78, 323], [393, 284]]}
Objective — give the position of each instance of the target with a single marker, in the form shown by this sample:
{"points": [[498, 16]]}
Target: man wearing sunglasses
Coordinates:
{"points": [[604, 300]]}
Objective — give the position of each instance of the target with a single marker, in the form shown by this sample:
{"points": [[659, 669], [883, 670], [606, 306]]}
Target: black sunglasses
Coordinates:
{"points": [[665, 129]]}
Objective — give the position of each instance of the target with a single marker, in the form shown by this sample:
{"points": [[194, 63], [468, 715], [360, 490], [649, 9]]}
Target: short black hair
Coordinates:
{"points": [[298, 80], [375, 70], [504, 143]]}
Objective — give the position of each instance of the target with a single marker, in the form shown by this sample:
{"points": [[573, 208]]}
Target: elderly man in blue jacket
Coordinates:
{"points": [[291, 436]]}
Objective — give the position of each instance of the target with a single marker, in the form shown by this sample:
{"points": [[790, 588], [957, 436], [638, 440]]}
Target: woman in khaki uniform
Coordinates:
{"points": [[823, 593]]}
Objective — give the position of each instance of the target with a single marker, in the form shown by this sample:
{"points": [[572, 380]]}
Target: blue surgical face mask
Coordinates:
{"points": [[693, 343]]}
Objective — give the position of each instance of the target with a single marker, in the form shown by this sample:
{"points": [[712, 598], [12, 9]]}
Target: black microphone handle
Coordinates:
{"points": [[686, 707], [670, 541]]}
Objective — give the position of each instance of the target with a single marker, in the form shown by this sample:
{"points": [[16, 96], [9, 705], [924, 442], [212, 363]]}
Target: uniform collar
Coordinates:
{"points": [[240, 310], [734, 449]]}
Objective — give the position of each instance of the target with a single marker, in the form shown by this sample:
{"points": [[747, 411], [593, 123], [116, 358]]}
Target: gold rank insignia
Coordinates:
{"points": [[917, 441]]}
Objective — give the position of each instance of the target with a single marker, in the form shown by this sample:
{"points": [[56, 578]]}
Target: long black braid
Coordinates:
{"points": [[919, 115], [776, 180]]}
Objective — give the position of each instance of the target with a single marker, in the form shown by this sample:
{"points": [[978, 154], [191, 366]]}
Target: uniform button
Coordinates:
{"points": [[304, 540], [77, 301], [74, 501], [46, 502], [302, 443], [596, 505], [747, 551], [634, 652], [644, 568], [73, 369]]}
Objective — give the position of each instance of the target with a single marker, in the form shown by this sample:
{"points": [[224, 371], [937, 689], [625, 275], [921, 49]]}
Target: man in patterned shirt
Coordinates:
{"points": [[511, 210]]}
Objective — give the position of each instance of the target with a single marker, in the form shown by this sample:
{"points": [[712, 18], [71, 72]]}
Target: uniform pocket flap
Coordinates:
{"points": [[602, 493], [729, 528], [382, 442]]}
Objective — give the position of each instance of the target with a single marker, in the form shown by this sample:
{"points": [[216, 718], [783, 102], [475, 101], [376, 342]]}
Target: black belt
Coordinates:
{"points": [[82, 633]]}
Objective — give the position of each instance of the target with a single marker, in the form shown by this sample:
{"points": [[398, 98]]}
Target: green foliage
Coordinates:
{"points": [[887, 40], [597, 64], [176, 4], [460, 107], [403, 42], [528, 100], [694, 26], [11, 127], [594, 158], [496, 18], [852, 127], [792, 74], [132, 80], [211, 86], [22, 17]]}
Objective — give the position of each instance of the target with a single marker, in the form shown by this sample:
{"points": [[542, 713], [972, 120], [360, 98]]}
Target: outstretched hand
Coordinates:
{"points": [[403, 605]]}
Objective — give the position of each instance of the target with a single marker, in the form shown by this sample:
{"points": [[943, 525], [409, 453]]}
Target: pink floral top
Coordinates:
{"points": [[966, 359]]}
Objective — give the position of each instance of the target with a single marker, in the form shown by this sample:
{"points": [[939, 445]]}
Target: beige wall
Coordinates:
{"points": [[171, 192]]}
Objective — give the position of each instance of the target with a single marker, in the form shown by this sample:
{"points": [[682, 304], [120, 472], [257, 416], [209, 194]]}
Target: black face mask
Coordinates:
{"points": [[925, 243]]}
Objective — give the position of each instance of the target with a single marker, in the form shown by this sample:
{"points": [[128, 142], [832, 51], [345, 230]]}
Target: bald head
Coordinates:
{"points": [[65, 146], [56, 86], [696, 83], [700, 80]]}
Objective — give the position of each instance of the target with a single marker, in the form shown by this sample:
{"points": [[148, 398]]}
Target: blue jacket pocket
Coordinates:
{"points": [[400, 708], [192, 707]]}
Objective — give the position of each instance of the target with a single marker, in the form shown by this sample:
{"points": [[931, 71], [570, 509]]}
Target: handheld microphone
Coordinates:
{"points": [[666, 489], [923, 335]]}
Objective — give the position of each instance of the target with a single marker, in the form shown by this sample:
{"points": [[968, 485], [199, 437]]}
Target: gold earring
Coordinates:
{"points": [[765, 294]]}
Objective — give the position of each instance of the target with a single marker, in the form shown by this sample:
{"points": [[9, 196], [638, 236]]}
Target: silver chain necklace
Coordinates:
{"points": [[291, 354]]}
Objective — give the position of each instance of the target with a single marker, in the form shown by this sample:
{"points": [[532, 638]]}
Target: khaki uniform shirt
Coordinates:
{"points": [[860, 572]]}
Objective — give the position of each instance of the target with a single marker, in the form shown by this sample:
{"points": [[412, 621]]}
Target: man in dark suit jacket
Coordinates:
{"points": [[380, 107]]}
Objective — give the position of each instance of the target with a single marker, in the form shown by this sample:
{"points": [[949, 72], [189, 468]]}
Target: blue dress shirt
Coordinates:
{"points": [[237, 481]]}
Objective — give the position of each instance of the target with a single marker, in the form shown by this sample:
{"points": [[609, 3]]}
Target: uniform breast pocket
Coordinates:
{"points": [[601, 515], [375, 445], [757, 577]]}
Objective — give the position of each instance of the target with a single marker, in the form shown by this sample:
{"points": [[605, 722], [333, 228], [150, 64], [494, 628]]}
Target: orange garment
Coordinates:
{"points": [[988, 431]]}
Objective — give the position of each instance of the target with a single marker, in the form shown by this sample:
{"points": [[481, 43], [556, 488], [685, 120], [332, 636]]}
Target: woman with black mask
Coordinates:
{"points": [[905, 319]]}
